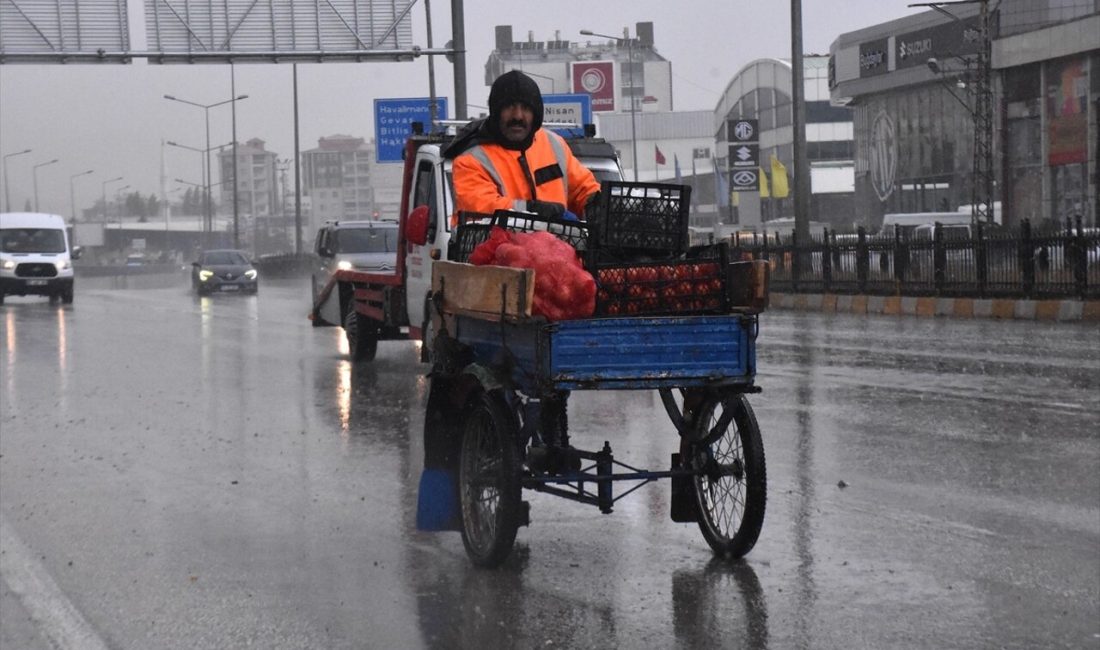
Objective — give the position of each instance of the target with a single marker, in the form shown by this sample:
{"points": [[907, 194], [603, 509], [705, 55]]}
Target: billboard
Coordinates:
{"points": [[194, 31], [597, 80]]}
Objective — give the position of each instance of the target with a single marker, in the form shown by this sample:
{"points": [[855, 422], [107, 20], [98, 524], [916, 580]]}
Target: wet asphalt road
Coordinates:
{"points": [[195, 473]]}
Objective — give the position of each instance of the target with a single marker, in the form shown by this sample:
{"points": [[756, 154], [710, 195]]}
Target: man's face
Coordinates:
{"points": [[516, 121]]}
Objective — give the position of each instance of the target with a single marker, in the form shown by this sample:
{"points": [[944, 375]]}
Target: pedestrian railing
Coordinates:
{"points": [[987, 262]]}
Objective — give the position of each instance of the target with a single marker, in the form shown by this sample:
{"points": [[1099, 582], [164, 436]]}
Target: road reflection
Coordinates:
{"points": [[802, 523], [718, 603]]}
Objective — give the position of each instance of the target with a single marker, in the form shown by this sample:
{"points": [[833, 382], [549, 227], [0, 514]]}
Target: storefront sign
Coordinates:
{"points": [[945, 41], [597, 80], [744, 156], [745, 180], [743, 130], [873, 57]]}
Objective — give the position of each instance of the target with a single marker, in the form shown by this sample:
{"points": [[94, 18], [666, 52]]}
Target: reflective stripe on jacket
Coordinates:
{"points": [[488, 177]]}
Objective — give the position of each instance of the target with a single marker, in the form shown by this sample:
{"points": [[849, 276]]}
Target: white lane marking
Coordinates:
{"points": [[58, 619]]}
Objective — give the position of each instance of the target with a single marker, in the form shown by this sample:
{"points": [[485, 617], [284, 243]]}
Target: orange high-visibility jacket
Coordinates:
{"points": [[488, 177]]}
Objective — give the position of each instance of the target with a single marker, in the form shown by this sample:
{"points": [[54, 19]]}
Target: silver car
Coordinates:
{"points": [[368, 246]]}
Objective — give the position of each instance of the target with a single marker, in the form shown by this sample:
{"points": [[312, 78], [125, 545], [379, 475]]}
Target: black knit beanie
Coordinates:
{"points": [[510, 88]]}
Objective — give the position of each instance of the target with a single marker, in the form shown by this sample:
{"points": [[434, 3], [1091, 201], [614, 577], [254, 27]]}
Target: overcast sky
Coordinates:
{"points": [[112, 118]]}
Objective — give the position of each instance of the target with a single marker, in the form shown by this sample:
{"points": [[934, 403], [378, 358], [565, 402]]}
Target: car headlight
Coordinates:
{"points": [[344, 265], [62, 265], [205, 275], [7, 265], [251, 274]]}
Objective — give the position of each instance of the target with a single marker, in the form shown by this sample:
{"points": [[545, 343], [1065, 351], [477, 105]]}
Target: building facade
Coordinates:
{"points": [[761, 91], [257, 180], [914, 85], [336, 176]]}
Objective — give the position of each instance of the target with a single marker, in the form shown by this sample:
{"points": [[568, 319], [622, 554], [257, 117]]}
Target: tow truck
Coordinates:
{"points": [[373, 307]]}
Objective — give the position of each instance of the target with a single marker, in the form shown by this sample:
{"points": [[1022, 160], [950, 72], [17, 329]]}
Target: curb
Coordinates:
{"points": [[997, 308]]}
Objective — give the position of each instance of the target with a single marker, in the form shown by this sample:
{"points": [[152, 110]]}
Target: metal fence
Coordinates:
{"points": [[979, 262]]}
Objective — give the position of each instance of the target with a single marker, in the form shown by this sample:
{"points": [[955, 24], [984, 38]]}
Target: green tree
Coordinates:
{"points": [[152, 206]]}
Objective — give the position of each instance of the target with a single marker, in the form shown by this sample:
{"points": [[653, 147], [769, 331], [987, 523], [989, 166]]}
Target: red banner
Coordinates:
{"points": [[596, 79], [1067, 110]]}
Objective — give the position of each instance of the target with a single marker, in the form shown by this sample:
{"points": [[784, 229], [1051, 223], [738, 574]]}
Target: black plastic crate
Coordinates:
{"points": [[641, 216], [694, 283], [473, 228]]}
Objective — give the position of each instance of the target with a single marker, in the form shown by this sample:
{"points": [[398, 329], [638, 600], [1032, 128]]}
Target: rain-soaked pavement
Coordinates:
{"points": [[195, 473]]}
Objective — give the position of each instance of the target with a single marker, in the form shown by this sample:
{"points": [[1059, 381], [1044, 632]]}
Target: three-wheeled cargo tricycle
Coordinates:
{"points": [[497, 419]]}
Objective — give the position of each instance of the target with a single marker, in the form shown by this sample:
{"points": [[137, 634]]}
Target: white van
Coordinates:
{"points": [[907, 222], [35, 256]]}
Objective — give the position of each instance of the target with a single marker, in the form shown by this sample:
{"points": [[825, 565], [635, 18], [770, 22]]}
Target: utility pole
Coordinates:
{"points": [[982, 188], [458, 36], [798, 106], [981, 88]]}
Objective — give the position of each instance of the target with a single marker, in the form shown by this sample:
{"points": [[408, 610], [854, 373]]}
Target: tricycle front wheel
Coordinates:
{"points": [[489, 481], [730, 482]]}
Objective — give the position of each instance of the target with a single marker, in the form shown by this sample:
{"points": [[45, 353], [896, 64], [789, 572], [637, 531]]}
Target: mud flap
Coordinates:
{"points": [[437, 506], [683, 505]]}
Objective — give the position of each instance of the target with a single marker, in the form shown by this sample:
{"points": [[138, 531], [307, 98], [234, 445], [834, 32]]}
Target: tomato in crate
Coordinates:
{"points": [[693, 283]]}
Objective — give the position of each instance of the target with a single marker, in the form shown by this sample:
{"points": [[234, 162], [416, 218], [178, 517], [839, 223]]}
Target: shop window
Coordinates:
{"points": [[748, 103], [765, 99], [767, 119], [783, 115], [1069, 199], [818, 112]]}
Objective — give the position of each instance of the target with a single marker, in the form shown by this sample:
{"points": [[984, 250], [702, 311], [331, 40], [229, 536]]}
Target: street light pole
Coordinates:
{"points": [[118, 203], [72, 194], [208, 226], [34, 174], [103, 187], [633, 124], [7, 191]]}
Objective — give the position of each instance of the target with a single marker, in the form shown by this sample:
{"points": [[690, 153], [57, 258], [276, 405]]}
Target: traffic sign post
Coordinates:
{"points": [[567, 107], [393, 120]]}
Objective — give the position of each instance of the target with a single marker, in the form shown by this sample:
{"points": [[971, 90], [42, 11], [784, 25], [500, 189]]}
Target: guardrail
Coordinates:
{"points": [[285, 265], [1026, 263], [105, 270]]}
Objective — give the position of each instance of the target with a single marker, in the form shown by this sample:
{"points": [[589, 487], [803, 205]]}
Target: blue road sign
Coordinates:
{"points": [[568, 107], [393, 120]]}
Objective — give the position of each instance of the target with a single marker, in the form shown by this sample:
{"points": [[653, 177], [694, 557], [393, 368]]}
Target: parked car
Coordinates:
{"points": [[224, 270]]}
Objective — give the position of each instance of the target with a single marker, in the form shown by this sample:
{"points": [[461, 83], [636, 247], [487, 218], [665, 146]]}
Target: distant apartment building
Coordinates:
{"points": [[257, 186], [337, 178]]}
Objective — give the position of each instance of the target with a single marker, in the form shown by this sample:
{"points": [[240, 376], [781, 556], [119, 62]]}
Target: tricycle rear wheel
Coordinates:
{"points": [[489, 481], [730, 482]]}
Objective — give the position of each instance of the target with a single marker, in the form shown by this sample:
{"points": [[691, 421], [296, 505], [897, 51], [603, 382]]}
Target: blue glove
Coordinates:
{"points": [[569, 216]]}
